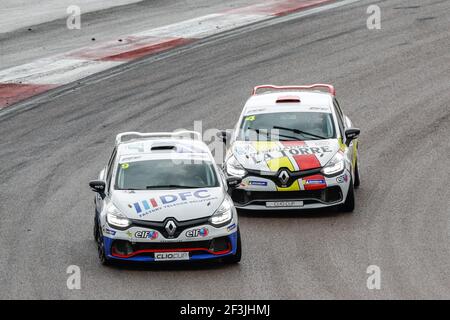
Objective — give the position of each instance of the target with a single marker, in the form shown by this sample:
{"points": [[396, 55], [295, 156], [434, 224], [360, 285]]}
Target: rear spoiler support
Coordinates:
{"points": [[330, 89], [127, 136]]}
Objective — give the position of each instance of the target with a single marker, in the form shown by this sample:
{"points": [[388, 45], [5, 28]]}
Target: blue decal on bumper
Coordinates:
{"points": [[197, 257]]}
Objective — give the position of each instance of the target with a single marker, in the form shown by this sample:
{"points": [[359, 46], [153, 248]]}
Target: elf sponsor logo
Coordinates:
{"points": [[194, 233], [342, 179], [146, 205], [152, 235]]}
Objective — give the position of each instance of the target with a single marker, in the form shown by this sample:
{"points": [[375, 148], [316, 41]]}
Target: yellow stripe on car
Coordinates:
{"points": [[294, 187], [283, 162], [262, 146], [342, 145]]}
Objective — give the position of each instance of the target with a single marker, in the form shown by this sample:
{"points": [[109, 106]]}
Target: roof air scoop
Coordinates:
{"points": [[163, 148], [288, 99]]}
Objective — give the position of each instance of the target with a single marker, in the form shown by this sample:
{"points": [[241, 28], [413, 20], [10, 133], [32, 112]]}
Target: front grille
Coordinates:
{"points": [[123, 248], [161, 226], [293, 175], [327, 195], [172, 245]]}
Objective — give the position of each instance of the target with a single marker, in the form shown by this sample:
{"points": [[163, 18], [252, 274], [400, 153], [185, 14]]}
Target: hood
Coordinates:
{"points": [[157, 205], [295, 155]]}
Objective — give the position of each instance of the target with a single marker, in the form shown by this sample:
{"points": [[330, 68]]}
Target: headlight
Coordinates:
{"points": [[115, 218], [335, 166], [223, 215], [234, 168]]}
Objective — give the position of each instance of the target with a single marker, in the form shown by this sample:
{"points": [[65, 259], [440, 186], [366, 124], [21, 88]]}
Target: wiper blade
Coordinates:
{"points": [[268, 133], [297, 131], [289, 138], [172, 186]]}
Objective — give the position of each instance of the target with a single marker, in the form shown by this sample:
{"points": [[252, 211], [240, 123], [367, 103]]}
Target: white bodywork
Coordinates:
{"points": [[180, 204], [265, 159]]}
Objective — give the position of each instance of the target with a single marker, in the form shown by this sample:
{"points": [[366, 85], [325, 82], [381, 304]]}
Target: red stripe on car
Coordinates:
{"points": [[307, 161], [315, 182]]}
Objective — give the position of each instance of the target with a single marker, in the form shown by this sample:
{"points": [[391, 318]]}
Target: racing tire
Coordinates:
{"points": [[100, 246], [95, 231], [357, 176], [235, 258], [349, 204]]}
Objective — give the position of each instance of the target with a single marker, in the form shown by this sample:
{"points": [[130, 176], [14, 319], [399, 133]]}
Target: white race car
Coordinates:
{"points": [[294, 149], [161, 197]]}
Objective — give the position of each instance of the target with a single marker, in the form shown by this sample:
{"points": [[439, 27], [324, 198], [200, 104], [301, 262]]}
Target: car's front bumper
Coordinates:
{"points": [[214, 248], [256, 192]]}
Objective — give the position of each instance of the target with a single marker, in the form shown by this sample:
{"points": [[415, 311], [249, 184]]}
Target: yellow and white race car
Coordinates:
{"points": [[294, 148]]}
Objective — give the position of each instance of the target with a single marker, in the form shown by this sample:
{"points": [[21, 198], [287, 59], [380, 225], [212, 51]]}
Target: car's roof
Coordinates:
{"points": [[315, 101], [154, 147], [149, 146]]}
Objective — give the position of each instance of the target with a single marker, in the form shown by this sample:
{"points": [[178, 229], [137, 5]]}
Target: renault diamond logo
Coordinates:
{"points": [[284, 177], [171, 227]]}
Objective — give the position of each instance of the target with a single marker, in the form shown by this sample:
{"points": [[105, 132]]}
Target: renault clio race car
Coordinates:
{"points": [[161, 197], [294, 149]]}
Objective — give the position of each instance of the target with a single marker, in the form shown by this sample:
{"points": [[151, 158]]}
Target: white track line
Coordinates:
{"points": [[205, 26], [72, 66], [54, 71]]}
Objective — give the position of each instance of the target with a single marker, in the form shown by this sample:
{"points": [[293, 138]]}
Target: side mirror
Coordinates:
{"points": [[233, 182], [223, 135], [351, 134], [98, 186]]}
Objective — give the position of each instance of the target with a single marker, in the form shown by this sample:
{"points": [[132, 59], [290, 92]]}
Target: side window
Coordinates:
{"points": [[110, 169], [339, 117]]}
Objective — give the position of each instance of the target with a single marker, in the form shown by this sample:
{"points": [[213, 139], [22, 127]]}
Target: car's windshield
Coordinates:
{"points": [[287, 126], [165, 174]]}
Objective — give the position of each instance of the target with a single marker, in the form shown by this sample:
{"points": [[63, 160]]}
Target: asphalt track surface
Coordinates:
{"points": [[393, 83], [51, 38]]}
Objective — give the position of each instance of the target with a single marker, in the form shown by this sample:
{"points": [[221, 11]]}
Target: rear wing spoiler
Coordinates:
{"points": [[128, 136], [328, 87]]}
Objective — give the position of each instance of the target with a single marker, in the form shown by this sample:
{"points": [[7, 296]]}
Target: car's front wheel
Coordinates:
{"points": [[100, 245], [235, 258], [357, 176], [349, 204]]}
